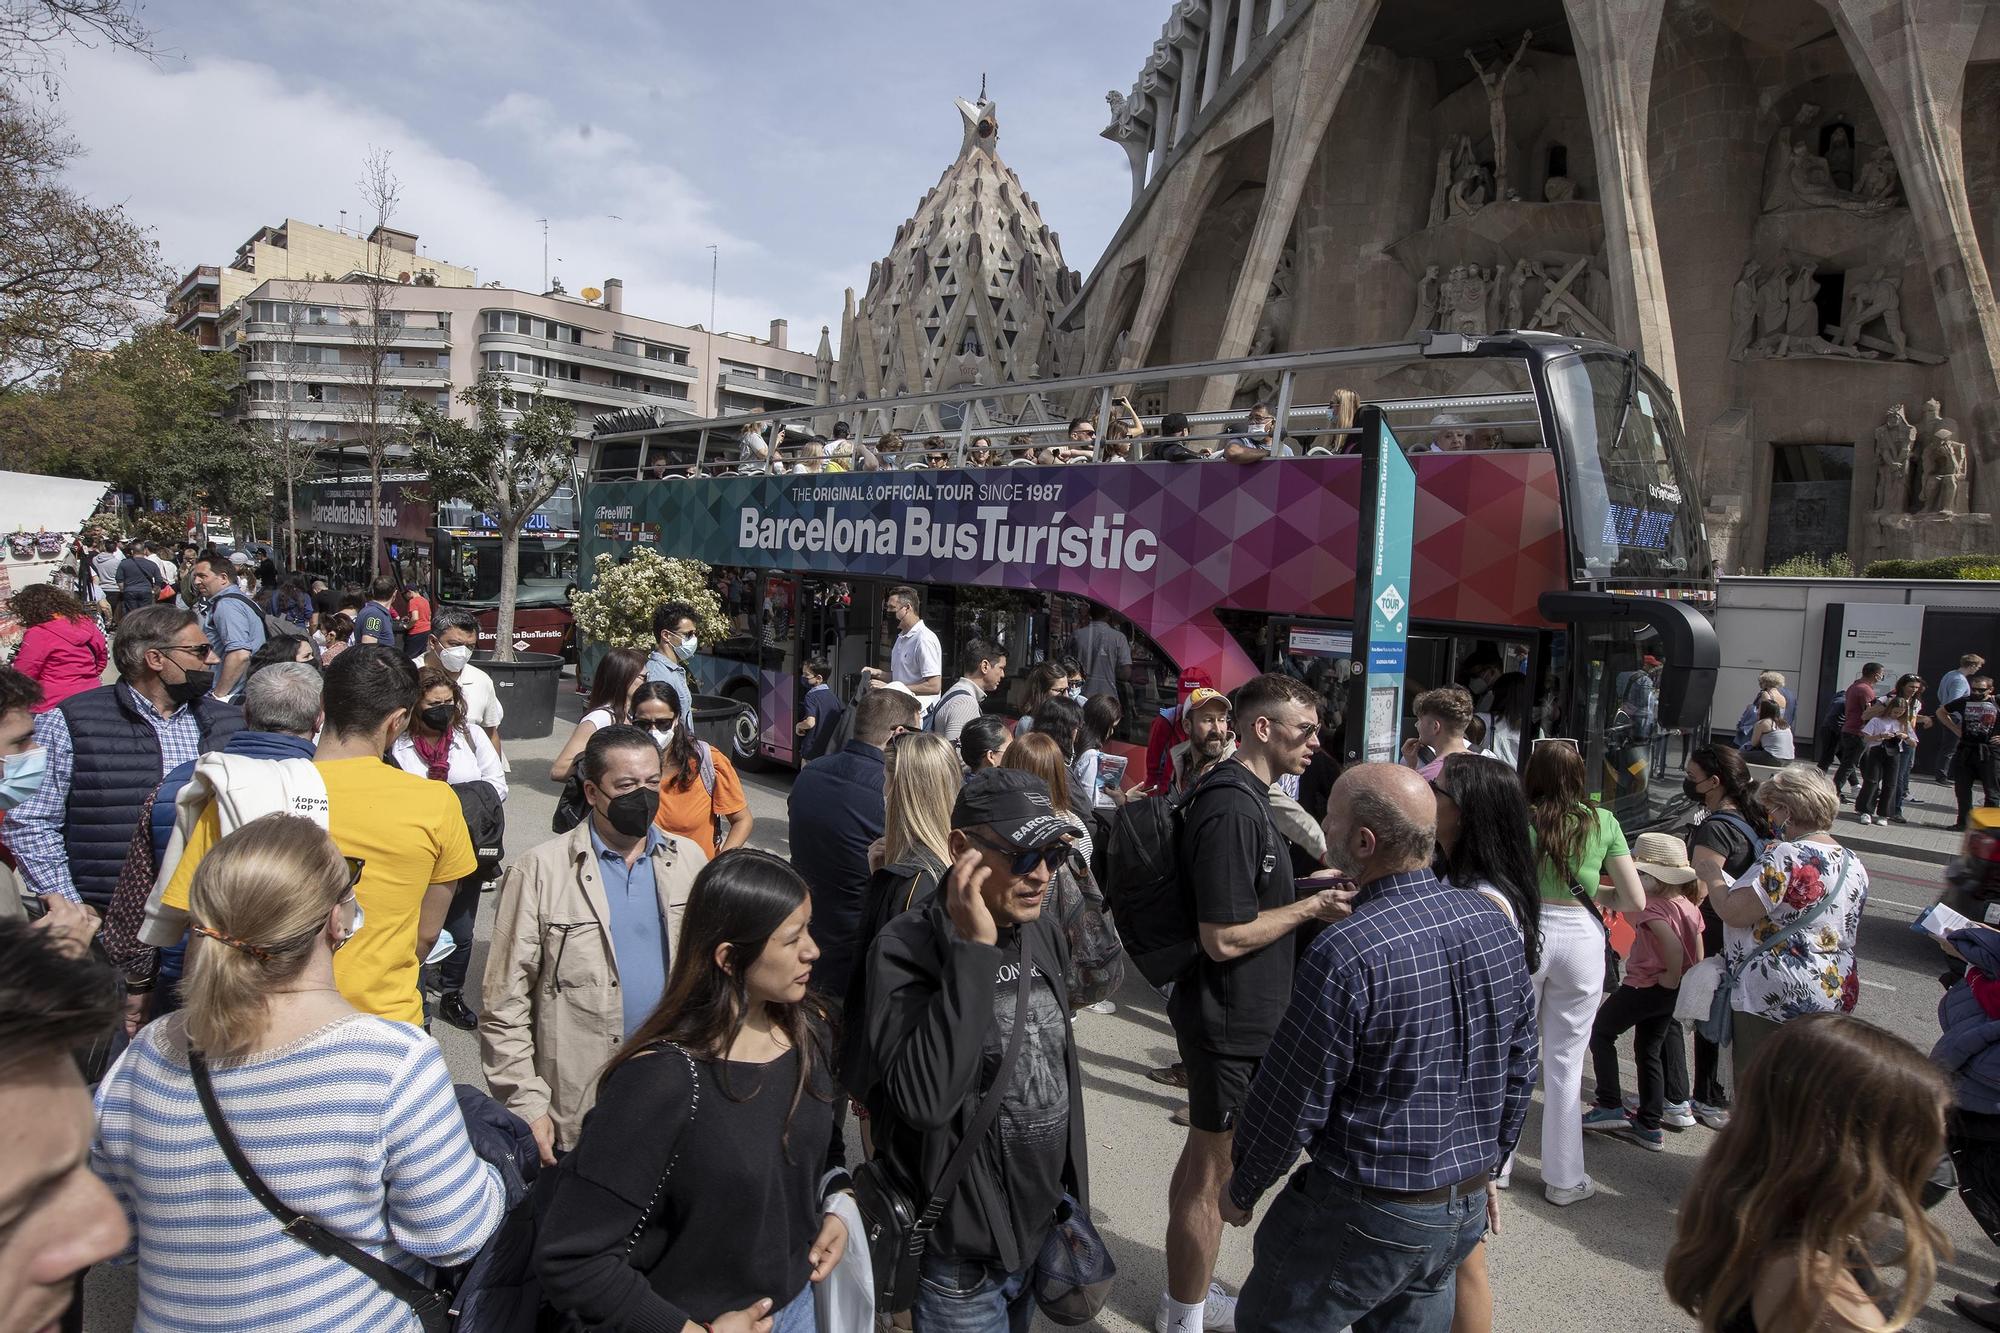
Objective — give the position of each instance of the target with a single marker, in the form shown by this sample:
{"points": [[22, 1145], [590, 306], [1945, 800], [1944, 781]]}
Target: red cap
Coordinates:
{"points": [[1193, 679]]}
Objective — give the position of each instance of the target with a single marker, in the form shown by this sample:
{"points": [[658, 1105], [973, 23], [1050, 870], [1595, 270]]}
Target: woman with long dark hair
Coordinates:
{"points": [[701, 797], [1046, 681], [1061, 720], [1723, 847], [62, 649], [1576, 845], [695, 1191], [983, 743], [611, 688]]}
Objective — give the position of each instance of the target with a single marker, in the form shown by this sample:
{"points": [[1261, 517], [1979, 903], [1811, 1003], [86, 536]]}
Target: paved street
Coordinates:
{"points": [[1594, 1265]]}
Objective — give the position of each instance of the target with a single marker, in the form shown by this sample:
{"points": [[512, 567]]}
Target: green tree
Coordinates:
{"points": [[507, 468]]}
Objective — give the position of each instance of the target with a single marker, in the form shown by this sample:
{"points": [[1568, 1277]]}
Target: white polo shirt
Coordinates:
{"points": [[916, 654], [482, 704]]}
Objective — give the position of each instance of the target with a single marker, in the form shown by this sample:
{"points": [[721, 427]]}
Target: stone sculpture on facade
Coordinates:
{"points": [[1274, 326], [1469, 190], [1879, 179], [1743, 311], [1558, 189], [1426, 316], [1778, 156], [1495, 77], [1840, 153], [1894, 440], [1812, 185], [1874, 294], [1944, 473], [1773, 310], [1464, 297], [1517, 291]]}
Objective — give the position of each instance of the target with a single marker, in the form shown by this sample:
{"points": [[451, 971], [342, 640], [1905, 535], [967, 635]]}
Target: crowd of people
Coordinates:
{"points": [[1871, 730], [712, 1072]]}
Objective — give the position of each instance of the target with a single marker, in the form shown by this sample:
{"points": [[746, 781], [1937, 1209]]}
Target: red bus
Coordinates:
{"points": [[1557, 538]]}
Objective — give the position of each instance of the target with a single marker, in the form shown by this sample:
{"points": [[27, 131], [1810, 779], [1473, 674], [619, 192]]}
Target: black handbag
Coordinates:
{"points": [[897, 1231], [431, 1305], [571, 808], [1614, 966]]}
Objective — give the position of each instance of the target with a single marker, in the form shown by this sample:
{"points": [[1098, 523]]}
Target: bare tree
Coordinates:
{"points": [[31, 31], [290, 455], [377, 331]]}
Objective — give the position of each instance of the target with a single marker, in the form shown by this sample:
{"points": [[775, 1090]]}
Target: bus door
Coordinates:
{"points": [[778, 689]]}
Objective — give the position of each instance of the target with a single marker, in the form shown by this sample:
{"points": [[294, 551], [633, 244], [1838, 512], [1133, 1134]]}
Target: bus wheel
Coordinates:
{"points": [[743, 746]]}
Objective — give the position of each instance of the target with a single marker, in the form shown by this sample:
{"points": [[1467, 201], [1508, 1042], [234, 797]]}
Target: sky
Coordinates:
{"points": [[793, 137]]}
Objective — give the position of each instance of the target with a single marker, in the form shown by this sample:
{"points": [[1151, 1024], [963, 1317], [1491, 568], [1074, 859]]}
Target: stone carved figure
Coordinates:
{"points": [[1894, 440], [1468, 186], [1876, 294], [1517, 292], [1840, 153], [1441, 187], [1812, 185], [1774, 300], [1879, 179], [1426, 315], [1558, 189], [1802, 322], [1778, 157], [1116, 101], [1465, 300], [1743, 311], [1495, 77], [1944, 472]]}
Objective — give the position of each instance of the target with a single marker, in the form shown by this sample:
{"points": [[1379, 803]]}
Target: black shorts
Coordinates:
{"points": [[1218, 1085]]}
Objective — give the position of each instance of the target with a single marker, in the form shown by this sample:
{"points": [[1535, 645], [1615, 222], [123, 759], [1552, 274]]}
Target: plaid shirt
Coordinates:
{"points": [[34, 830], [1408, 1054]]}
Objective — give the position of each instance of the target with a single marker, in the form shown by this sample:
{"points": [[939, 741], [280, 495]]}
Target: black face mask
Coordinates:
{"points": [[632, 814], [191, 686], [437, 717]]}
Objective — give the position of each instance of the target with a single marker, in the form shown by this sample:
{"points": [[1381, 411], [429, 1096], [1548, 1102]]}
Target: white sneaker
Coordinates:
{"points": [[1563, 1198], [1102, 1007], [1714, 1117], [1867, 819], [1218, 1312]]}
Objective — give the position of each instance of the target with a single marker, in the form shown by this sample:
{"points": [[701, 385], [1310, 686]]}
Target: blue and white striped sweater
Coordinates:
{"points": [[354, 1125]]}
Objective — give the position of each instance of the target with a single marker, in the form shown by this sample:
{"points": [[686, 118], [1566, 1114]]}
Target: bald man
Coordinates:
{"points": [[1404, 1063]]}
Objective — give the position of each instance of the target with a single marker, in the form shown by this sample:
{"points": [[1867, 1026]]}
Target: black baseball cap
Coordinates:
{"points": [[1173, 423], [1014, 804]]}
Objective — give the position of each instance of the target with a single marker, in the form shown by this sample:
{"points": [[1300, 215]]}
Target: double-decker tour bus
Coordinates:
{"points": [[451, 551], [1559, 559]]}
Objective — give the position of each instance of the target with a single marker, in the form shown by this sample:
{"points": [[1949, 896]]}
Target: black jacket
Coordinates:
{"points": [[930, 1006]]}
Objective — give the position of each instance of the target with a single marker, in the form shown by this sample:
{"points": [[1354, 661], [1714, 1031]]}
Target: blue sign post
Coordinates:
{"points": [[1381, 594]]}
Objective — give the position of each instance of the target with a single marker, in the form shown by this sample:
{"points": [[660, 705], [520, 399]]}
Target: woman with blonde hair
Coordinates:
{"points": [[1836, 1128], [908, 862], [287, 1062]]}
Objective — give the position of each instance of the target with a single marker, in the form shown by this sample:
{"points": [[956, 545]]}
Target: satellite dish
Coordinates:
{"points": [[591, 293]]}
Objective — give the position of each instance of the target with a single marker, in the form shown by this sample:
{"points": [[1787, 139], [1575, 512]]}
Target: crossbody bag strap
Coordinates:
{"points": [[1799, 922], [297, 1225], [1577, 892], [989, 1106], [694, 1105]]}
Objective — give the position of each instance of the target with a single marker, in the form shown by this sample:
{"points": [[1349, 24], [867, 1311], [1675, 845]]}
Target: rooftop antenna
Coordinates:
{"points": [[714, 262], [343, 222], [545, 252], [982, 85]]}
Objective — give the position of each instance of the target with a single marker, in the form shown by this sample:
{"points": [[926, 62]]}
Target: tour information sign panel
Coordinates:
{"points": [[1381, 593]]}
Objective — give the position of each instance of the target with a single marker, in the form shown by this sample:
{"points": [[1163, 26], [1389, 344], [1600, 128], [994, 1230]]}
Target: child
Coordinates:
{"points": [[1667, 943], [822, 707]]}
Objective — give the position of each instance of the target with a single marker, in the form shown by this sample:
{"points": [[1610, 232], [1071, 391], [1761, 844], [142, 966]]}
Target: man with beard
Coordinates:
{"points": [[1206, 718]]}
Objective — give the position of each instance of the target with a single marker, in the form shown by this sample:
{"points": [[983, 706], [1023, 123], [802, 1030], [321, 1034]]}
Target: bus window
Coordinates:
{"points": [[1614, 689]]}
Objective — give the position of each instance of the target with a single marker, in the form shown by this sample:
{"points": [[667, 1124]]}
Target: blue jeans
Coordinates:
{"points": [[969, 1296], [1328, 1256], [798, 1315]]}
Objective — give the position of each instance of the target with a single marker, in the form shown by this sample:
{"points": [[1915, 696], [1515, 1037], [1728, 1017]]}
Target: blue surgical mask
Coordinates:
{"points": [[21, 776]]}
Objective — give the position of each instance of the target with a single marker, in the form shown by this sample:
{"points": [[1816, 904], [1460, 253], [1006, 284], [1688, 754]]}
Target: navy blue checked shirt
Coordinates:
{"points": [[1408, 1053]]}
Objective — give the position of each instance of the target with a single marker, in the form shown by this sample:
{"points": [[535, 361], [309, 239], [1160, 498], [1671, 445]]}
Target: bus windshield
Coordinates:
{"points": [[469, 569]]}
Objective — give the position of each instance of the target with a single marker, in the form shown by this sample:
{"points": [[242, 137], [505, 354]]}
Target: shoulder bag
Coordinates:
{"points": [[1614, 969], [1720, 1024], [897, 1232]]}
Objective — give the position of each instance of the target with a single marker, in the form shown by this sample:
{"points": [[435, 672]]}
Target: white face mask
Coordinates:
{"points": [[685, 649], [454, 659], [662, 735]]}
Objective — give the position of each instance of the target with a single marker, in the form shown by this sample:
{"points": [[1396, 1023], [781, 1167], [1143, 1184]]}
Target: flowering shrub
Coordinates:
{"points": [[618, 610]]}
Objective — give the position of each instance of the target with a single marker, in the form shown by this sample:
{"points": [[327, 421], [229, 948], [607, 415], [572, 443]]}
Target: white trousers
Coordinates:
{"points": [[1568, 988]]}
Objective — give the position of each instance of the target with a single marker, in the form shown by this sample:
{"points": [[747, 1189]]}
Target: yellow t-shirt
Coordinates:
{"points": [[411, 833]]}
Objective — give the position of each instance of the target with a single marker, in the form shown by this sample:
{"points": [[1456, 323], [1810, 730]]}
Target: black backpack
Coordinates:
{"points": [[1140, 871]]}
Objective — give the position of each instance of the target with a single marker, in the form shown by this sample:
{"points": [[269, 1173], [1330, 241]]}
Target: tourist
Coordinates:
{"points": [[291, 1063], [442, 746], [822, 708], [415, 619], [1805, 878], [985, 671], [1770, 687], [1206, 717], [932, 1022], [1854, 708], [248, 778], [1178, 446], [908, 862], [454, 636], [837, 812], [290, 603], [676, 639], [409, 833], [1909, 686], [280, 650], [1061, 720], [1836, 1134], [62, 649], [1104, 653], [1038, 753], [656, 710], [1225, 1010], [232, 621], [1505, 717], [983, 743], [1576, 844], [1953, 686], [555, 999], [701, 798], [1771, 740], [138, 579], [752, 453], [1406, 1105], [1045, 681], [1888, 733], [1723, 847], [1076, 448], [981, 453], [1449, 434], [1483, 846], [375, 622], [104, 574], [336, 638], [1443, 715], [723, 1104], [1666, 943], [1255, 440], [612, 684], [54, 1000], [106, 749], [915, 659], [1973, 721], [23, 762]]}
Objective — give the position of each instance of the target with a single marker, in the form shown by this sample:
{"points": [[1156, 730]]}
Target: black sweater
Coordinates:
{"points": [[732, 1222]]}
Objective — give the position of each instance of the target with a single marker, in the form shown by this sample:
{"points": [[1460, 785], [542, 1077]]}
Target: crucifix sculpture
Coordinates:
{"points": [[1495, 77]]}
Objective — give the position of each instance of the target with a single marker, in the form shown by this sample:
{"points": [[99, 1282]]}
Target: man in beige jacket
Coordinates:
{"points": [[583, 939]]}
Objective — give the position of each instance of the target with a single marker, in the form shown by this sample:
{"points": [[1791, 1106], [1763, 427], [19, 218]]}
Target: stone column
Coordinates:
{"points": [[1246, 14], [1308, 76], [1184, 95], [1218, 32], [1911, 55], [1276, 16], [1161, 114], [1615, 43]]}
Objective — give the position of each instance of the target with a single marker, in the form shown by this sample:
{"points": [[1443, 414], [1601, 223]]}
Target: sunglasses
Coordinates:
{"points": [[1056, 855], [355, 865]]}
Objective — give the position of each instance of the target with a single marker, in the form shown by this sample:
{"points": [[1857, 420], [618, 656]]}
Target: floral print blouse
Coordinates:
{"points": [[1815, 971]]}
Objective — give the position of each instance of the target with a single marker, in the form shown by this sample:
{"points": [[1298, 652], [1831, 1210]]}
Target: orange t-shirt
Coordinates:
{"points": [[691, 812]]}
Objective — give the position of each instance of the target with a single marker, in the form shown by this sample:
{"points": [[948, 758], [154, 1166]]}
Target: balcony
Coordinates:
{"points": [[595, 395], [772, 389], [207, 275], [331, 332], [306, 372], [600, 357]]}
